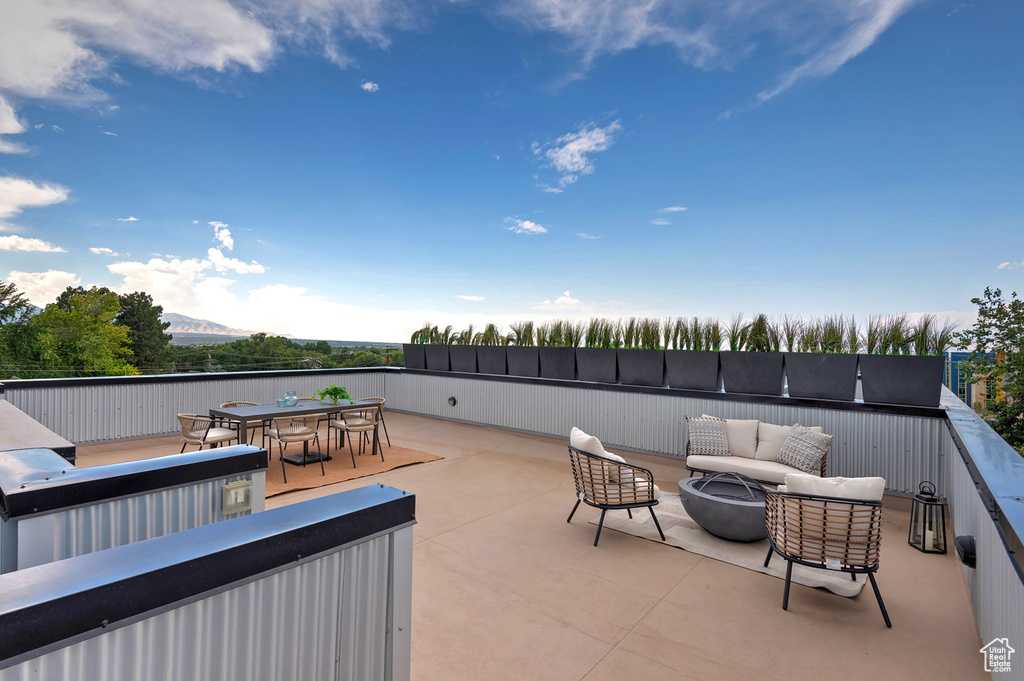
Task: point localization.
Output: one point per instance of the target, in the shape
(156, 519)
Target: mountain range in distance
(191, 331)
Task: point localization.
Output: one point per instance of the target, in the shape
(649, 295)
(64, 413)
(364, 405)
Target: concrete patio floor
(504, 588)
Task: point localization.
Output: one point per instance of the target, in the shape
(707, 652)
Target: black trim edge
(48, 605)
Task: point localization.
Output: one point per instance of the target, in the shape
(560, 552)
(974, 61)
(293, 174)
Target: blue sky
(350, 169)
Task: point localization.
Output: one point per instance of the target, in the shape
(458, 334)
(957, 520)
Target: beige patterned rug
(682, 532)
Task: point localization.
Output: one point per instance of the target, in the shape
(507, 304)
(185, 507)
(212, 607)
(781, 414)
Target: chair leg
(629, 512)
(789, 577)
(656, 523)
(569, 519)
(280, 455)
(878, 596)
(600, 525)
(768, 558)
(183, 448)
(320, 452)
(350, 452)
(385, 427)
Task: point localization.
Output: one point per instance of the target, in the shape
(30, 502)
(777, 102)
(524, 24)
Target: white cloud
(563, 302)
(20, 243)
(17, 194)
(1009, 265)
(553, 190)
(1003, 266)
(103, 251)
(221, 263)
(473, 299)
(571, 153)
(112, 134)
(370, 86)
(524, 226)
(222, 234)
(584, 235)
(10, 125)
(42, 288)
(130, 218)
(671, 209)
(660, 221)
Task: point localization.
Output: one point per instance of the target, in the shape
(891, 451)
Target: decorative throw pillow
(804, 449)
(742, 434)
(707, 436)
(770, 439)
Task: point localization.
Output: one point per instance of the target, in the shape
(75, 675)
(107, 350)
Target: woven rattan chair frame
(826, 533)
(611, 486)
(379, 401)
(195, 430)
(296, 429)
(365, 422)
(822, 469)
(252, 425)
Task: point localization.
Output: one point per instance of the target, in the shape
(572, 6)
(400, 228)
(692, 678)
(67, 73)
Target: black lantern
(928, 521)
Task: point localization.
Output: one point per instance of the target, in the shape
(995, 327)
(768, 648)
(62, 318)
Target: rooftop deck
(504, 588)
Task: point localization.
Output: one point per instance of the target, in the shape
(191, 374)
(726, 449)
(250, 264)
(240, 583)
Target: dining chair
(253, 425)
(379, 401)
(203, 430)
(290, 429)
(362, 423)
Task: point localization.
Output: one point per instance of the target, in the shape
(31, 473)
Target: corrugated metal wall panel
(902, 449)
(90, 413)
(318, 621)
(123, 521)
(997, 592)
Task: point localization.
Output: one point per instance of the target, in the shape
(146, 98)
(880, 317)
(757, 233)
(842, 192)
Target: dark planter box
(642, 367)
(463, 358)
(558, 363)
(437, 357)
(596, 364)
(490, 359)
(901, 379)
(523, 361)
(691, 369)
(822, 376)
(414, 357)
(754, 373)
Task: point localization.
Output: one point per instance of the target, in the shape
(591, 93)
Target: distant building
(977, 394)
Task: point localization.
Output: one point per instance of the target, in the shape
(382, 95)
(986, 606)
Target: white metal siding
(320, 620)
(94, 412)
(902, 449)
(997, 592)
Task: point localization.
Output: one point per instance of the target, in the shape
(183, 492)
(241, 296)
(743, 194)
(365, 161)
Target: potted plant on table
(334, 395)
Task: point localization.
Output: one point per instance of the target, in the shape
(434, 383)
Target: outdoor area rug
(339, 468)
(684, 533)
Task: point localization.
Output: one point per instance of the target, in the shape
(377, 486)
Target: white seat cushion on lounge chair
(766, 471)
(862, 489)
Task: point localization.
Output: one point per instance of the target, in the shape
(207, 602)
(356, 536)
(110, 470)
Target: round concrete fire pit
(728, 505)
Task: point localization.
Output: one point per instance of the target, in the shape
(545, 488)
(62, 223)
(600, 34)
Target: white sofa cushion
(863, 489)
(770, 439)
(766, 471)
(707, 436)
(804, 449)
(742, 436)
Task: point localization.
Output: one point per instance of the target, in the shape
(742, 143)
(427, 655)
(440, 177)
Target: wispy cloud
(20, 243)
(472, 299)
(42, 288)
(584, 235)
(571, 154)
(130, 218)
(672, 209)
(370, 86)
(222, 234)
(563, 302)
(107, 132)
(1009, 265)
(552, 190)
(524, 226)
(103, 251)
(661, 222)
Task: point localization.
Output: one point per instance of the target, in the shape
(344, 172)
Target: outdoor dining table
(269, 412)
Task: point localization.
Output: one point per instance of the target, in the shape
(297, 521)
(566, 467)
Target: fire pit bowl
(728, 505)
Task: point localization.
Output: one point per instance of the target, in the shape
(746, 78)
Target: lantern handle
(926, 489)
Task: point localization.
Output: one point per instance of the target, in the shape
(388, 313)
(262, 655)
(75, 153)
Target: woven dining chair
(361, 422)
(827, 533)
(286, 430)
(203, 430)
(253, 425)
(379, 401)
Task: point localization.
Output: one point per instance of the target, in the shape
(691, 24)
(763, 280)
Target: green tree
(146, 338)
(83, 341)
(17, 342)
(64, 299)
(997, 344)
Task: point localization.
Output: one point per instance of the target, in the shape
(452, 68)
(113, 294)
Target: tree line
(97, 332)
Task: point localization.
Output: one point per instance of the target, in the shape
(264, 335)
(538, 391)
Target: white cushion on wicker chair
(214, 434)
(591, 445)
(864, 489)
(765, 471)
